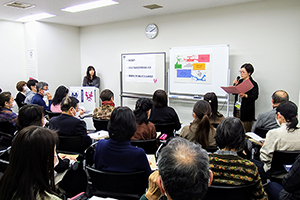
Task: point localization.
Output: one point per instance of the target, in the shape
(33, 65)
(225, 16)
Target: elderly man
(267, 120)
(42, 90)
(183, 172)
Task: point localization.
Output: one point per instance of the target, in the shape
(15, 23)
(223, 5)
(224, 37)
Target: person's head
(287, 113)
(212, 99)
(30, 114)
(91, 73)
(184, 170)
(142, 110)
(42, 88)
(121, 125)
(230, 134)
(60, 93)
(21, 85)
(31, 164)
(69, 106)
(279, 96)
(160, 99)
(246, 70)
(6, 100)
(106, 95)
(31, 84)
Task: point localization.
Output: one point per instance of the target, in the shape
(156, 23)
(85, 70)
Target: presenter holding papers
(245, 100)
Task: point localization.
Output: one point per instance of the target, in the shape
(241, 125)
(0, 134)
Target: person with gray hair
(42, 90)
(267, 120)
(183, 172)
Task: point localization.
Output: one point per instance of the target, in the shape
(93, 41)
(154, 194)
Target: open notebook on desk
(255, 138)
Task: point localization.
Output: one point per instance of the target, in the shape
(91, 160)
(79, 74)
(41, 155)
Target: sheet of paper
(152, 161)
(255, 137)
(98, 135)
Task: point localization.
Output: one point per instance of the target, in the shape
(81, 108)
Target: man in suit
(267, 120)
(68, 125)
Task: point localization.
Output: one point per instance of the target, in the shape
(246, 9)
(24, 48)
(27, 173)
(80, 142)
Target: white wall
(265, 34)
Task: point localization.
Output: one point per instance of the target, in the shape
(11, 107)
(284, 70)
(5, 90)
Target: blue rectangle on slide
(184, 73)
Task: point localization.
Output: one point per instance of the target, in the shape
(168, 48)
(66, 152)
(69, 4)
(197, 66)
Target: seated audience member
(108, 105)
(42, 90)
(183, 172)
(285, 137)
(145, 130)
(30, 172)
(6, 104)
(215, 117)
(60, 93)
(200, 130)
(68, 125)
(228, 168)
(161, 113)
(30, 115)
(22, 88)
(116, 154)
(31, 84)
(267, 120)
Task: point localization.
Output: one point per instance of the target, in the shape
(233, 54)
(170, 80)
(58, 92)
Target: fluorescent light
(90, 5)
(34, 17)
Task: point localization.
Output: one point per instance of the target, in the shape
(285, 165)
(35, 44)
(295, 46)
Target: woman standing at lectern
(91, 79)
(247, 102)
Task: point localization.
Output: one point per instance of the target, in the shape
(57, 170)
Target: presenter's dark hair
(60, 93)
(248, 67)
(31, 82)
(121, 125)
(20, 86)
(230, 134)
(88, 76)
(106, 95)
(142, 106)
(202, 110)
(184, 169)
(31, 165)
(212, 99)
(289, 111)
(4, 97)
(29, 115)
(68, 102)
(160, 99)
(280, 96)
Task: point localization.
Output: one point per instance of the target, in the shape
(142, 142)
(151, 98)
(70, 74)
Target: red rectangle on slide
(204, 58)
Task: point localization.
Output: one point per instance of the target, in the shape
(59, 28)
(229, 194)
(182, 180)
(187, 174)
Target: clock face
(151, 31)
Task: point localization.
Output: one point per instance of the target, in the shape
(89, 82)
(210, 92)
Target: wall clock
(151, 30)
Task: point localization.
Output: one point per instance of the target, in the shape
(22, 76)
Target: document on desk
(255, 137)
(244, 87)
(152, 161)
(98, 135)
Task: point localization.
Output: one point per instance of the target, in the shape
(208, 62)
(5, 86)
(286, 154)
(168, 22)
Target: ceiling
(125, 10)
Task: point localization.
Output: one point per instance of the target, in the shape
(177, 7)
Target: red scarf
(108, 103)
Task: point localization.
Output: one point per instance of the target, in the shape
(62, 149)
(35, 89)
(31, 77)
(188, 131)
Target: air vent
(19, 5)
(152, 6)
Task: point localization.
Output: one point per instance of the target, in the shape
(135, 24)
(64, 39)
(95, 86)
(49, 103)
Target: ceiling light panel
(90, 5)
(34, 17)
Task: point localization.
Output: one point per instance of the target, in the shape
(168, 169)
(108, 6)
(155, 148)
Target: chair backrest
(149, 146)
(281, 158)
(262, 132)
(117, 185)
(167, 128)
(52, 114)
(69, 144)
(4, 159)
(89, 155)
(5, 140)
(218, 192)
(7, 127)
(100, 124)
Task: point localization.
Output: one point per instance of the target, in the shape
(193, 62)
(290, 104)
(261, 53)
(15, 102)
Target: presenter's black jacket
(70, 126)
(248, 104)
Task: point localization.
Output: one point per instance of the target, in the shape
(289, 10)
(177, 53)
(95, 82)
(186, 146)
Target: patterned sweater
(230, 169)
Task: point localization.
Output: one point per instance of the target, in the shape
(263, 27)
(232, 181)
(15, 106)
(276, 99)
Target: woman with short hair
(6, 104)
(22, 88)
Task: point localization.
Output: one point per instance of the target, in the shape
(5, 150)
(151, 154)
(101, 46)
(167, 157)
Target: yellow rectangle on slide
(198, 66)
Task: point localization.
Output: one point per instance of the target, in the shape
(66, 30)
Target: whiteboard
(197, 70)
(143, 73)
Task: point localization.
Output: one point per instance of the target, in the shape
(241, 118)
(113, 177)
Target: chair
(4, 159)
(229, 192)
(7, 127)
(149, 146)
(281, 158)
(52, 114)
(70, 144)
(262, 132)
(5, 140)
(167, 128)
(100, 124)
(89, 155)
(131, 185)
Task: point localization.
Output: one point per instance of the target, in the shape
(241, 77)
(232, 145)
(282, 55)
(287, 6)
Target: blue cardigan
(111, 155)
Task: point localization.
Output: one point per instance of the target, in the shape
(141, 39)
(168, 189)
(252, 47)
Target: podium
(88, 98)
